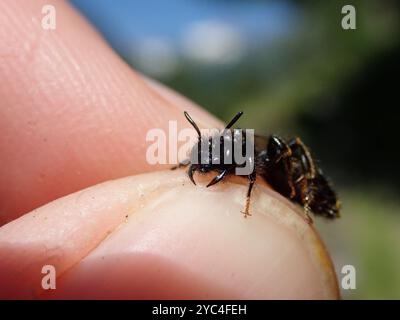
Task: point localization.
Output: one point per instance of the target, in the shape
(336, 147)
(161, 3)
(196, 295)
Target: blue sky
(124, 22)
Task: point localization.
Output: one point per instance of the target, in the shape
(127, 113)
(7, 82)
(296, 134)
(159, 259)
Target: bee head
(202, 154)
(202, 157)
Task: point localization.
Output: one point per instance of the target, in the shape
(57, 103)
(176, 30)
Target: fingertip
(74, 113)
(158, 236)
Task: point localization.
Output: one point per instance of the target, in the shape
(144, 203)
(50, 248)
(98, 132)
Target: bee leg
(306, 197)
(182, 164)
(307, 161)
(217, 178)
(288, 168)
(191, 170)
(277, 149)
(252, 179)
(280, 151)
(307, 211)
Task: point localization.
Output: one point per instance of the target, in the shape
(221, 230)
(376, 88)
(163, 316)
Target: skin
(74, 115)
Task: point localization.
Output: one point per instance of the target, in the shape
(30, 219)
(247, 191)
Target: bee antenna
(192, 123)
(235, 118)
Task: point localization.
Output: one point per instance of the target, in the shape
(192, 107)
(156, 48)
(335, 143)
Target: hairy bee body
(287, 166)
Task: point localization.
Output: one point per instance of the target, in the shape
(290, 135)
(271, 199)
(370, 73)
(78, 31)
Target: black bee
(287, 166)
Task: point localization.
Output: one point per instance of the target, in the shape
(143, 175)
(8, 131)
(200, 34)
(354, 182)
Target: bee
(287, 166)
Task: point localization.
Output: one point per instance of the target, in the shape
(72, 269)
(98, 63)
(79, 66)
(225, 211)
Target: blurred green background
(293, 70)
